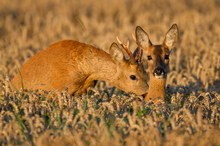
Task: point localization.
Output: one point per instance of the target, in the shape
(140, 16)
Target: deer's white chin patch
(159, 77)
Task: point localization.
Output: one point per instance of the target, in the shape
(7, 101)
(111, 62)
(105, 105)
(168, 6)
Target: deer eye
(149, 57)
(133, 77)
(166, 56)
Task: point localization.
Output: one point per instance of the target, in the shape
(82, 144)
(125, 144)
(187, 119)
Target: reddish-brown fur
(156, 60)
(74, 66)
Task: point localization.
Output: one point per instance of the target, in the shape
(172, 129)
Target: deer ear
(142, 38)
(138, 53)
(116, 52)
(171, 37)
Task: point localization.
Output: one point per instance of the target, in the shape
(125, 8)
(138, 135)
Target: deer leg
(89, 82)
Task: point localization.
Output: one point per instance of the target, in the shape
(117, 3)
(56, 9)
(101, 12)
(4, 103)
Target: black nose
(159, 71)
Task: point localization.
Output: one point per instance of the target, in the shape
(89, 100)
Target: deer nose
(159, 71)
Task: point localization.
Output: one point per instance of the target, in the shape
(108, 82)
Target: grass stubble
(105, 115)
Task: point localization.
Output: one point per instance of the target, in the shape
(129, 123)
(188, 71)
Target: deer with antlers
(75, 66)
(156, 60)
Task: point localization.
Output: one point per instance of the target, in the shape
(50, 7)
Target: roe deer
(156, 60)
(74, 66)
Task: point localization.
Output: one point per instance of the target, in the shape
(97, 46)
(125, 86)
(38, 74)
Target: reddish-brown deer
(156, 60)
(74, 66)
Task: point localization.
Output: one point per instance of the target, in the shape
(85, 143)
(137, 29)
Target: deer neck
(105, 70)
(113, 80)
(156, 89)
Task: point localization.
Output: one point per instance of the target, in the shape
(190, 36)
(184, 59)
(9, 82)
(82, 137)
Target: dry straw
(107, 116)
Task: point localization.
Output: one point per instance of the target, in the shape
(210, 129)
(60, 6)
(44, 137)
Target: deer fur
(156, 60)
(74, 66)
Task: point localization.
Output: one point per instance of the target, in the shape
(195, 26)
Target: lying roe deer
(156, 60)
(74, 66)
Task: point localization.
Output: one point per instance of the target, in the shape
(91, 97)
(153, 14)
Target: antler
(134, 38)
(126, 48)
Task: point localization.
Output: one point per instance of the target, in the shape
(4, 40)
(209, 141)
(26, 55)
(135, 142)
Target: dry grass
(106, 116)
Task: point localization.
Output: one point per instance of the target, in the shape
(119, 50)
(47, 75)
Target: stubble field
(105, 115)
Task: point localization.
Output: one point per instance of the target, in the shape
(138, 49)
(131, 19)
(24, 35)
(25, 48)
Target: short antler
(126, 48)
(134, 38)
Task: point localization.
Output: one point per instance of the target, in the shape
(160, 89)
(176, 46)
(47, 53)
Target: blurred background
(28, 26)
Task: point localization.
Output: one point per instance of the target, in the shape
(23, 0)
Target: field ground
(107, 116)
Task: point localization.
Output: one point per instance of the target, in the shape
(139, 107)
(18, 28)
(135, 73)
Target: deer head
(131, 75)
(156, 59)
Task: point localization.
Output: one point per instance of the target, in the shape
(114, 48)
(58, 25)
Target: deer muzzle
(160, 73)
